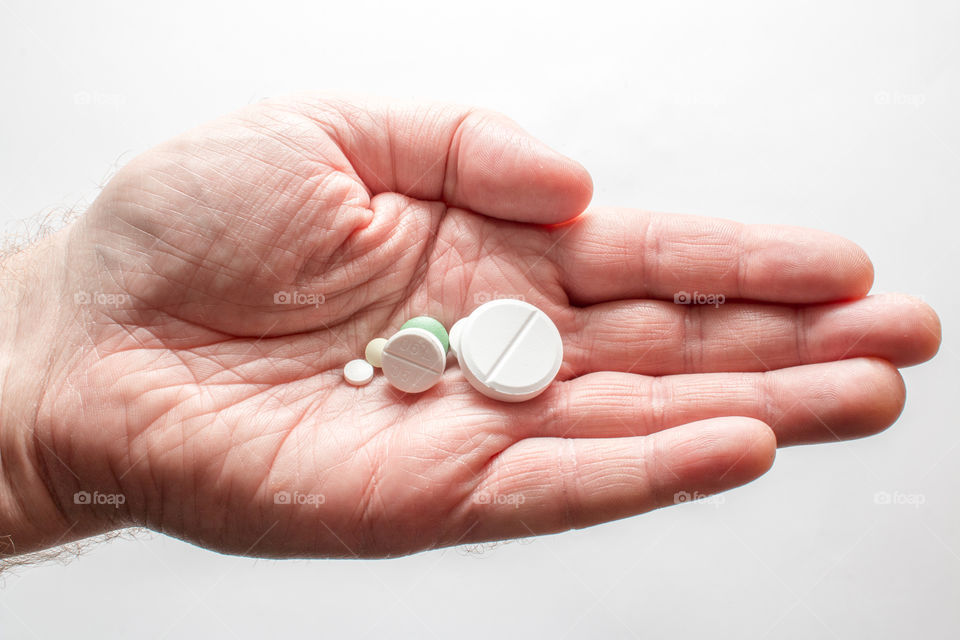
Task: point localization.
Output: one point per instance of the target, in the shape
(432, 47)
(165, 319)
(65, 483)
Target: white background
(842, 116)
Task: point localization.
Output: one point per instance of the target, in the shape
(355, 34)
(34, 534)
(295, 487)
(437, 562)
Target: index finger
(613, 254)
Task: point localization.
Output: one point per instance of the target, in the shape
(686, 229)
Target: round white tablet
(358, 372)
(509, 350)
(455, 336)
(413, 360)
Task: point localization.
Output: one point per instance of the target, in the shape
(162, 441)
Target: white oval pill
(413, 360)
(455, 335)
(358, 372)
(509, 350)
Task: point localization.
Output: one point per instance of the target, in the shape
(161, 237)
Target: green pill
(432, 325)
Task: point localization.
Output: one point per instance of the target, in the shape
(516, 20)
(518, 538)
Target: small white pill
(455, 336)
(509, 350)
(413, 360)
(374, 351)
(358, 372)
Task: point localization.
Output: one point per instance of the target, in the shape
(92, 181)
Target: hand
(179, 378)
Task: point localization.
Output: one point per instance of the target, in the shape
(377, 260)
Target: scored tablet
(509, 350)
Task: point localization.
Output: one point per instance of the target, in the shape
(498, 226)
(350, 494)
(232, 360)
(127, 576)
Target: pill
(413, 360)
(509, 350)
(374, 351)
(432, 325)
(358, 372)
(455, 335)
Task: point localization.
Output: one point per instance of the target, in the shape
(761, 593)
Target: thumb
(471, 158)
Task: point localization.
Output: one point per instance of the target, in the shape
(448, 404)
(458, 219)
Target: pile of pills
(507, 349)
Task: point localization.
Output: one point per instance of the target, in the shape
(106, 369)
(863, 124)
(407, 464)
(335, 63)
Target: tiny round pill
(358, 372)
(455, 336)
(432, 325)
(413, 360)
(374, 352)
(509, 350)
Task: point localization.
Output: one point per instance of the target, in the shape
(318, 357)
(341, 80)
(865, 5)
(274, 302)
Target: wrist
(37, 480)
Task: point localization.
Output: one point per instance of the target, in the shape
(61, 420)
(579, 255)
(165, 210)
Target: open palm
(226, 276)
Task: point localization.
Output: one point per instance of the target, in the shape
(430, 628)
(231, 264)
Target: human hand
(173, 378)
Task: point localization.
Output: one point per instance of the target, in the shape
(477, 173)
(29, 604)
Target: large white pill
(413, 360)
(358, 372)
(509, 350)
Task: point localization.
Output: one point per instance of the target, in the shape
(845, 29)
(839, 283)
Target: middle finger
(659, 338)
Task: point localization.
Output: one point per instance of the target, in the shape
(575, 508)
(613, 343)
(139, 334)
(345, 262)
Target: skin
(144, 355)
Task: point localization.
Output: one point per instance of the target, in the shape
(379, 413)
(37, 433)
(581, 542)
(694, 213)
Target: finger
(467, 157)
(545, 485)
(811, 403)
(613, 254)
(659, 338)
